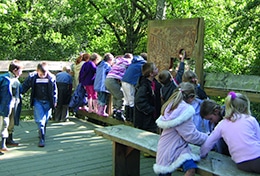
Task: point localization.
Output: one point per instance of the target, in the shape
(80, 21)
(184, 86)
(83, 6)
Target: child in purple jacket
(86, 78)
(113, 84)
(179, 130)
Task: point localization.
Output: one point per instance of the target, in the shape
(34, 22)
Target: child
(113, 84)
(76, 67)
(240, 131)
(147, 99)
(169, 83)
(129, 80)
(43, 97)
(214, 113)
(64, 85)
(190, 76)
(87, 76)
(201, 124)
(99, 84)
(10, 103)
(179, 130)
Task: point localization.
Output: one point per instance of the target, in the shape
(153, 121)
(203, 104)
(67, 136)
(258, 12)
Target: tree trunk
(160, 10)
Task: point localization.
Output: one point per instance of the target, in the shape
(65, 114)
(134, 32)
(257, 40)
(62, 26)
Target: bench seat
(129, 141)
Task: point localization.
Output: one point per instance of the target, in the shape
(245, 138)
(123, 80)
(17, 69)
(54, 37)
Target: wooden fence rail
(215, 84)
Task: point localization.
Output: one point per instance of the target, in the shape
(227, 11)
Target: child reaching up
(240, 131)
(178, 131)
(169, 83)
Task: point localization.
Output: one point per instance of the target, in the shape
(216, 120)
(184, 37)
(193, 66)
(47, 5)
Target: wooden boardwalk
(72, 148)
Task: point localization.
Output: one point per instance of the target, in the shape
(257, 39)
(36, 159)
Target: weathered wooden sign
(167, 37)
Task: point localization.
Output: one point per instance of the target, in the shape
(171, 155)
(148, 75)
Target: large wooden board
(167, 37)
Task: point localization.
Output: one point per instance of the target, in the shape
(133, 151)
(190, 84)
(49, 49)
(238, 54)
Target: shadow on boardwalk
(72, 148)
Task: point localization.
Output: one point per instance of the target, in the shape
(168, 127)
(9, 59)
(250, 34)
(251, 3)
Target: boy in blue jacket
(43, 97)
(10, 103)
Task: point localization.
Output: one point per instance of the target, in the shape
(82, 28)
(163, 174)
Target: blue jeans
(103, 98)
(42, 112)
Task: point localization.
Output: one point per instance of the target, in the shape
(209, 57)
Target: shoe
(3, 150)
(10, 141)
(120, 116)
(1, 153)
(14, 144)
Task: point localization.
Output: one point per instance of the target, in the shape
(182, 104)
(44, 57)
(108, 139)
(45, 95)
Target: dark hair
(148, 68)
(42, 67)
(189, 76)
(108, 56)
(164, 77)
(208, 107)
(14, 65)
(128, 55)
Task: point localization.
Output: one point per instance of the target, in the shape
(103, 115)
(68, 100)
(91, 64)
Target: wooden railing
(216, 84)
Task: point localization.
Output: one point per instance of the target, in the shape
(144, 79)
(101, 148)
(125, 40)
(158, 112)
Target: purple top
(178, 131)
(87, 73)
(242, 137)
(118, 69)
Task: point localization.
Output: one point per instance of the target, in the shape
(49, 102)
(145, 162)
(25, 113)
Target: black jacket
(30, 82)
(147, 104)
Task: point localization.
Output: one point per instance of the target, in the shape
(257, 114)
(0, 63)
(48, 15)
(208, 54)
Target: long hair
(183, 92)
(236, 103)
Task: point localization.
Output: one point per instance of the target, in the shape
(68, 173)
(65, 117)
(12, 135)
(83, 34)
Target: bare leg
(190, 172)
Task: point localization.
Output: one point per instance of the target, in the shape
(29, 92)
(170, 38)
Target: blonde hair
(183, 92)
(236, 103)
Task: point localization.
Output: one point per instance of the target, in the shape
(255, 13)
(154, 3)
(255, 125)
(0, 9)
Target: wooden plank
(253, 96)
(139, 139)
(214, 164)
(229, 81)
(32, 65)
(108, 120)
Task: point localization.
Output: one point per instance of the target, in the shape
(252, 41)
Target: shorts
(189, 164)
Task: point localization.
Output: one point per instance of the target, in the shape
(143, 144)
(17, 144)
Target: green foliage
(60, 29)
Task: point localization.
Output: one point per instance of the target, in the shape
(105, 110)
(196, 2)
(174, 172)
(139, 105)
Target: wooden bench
(128, 142)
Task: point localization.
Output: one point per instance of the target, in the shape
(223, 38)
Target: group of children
(230, 130)
(180, 108)
(186, 115)
(175, 107)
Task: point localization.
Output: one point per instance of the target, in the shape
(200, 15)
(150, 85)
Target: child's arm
(210, 142)
(190, 134)
(180, 72)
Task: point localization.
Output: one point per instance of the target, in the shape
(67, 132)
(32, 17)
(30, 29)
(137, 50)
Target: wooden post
(126, 160)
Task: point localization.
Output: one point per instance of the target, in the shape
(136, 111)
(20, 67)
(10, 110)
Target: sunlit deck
(72, 148)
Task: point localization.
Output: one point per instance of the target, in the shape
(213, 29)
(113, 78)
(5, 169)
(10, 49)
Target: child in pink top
(87, 77)
(240, 131)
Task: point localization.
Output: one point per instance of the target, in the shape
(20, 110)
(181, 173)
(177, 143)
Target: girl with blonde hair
(179, 130)
(240, 131)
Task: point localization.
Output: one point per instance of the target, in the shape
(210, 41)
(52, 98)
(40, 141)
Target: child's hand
(182, 55)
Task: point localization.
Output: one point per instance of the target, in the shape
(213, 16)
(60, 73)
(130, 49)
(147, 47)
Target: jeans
(42, 112)
(103, 98)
